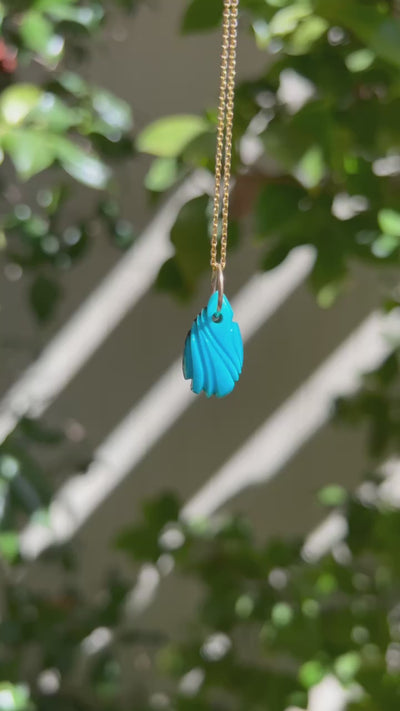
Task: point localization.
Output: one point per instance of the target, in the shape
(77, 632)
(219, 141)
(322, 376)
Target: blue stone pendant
(213, 355)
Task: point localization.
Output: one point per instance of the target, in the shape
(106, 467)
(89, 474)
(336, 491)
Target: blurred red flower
(8, 58)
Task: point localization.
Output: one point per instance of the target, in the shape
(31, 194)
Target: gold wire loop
(218, 284)
(223, 155)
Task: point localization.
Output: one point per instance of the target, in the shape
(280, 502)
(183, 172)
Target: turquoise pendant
(213, 354)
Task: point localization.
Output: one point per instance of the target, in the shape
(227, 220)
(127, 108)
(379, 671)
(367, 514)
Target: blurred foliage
(273, 620)
(64, 128)
(377, 405)
(324, 118)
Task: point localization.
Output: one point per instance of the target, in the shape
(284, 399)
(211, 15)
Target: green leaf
(281, 614)
(115, 112)
(163, 173)
(37, 431)
(347, 666)
(326, 584)
(311, 673)
(17, 101)
(80, 164)
(262, 33)
(38, 35)
(171, 279)
(73, 83)
(189, 236)
(167, 137)
(244, 606)
(287, 19)
(327, 295)
(200, 152)
(142, 541)
(44, 296)
(306, 33)
(333, 495)
(165, 509)
(27, 104)
(14, 697)
(311, 168)
(385, 245)
(276, 255)
(54, 114)
(124, 234)
(360, 60)
(202, 15)
(30, 150)
(88, 17)
(378, 30)
(9, 466)
(48, 5)
(389, 222)
(277, 205)
(9, 546)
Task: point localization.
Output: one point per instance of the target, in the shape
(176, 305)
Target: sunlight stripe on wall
(156, 413)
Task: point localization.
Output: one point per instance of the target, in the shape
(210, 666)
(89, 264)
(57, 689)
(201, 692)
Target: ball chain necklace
(213, 353)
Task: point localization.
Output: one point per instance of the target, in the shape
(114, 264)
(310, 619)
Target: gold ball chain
(223, 156)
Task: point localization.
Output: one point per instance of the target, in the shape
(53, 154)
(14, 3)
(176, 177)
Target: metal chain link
(223, 156)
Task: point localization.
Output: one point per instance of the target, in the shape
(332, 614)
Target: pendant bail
(218, 283)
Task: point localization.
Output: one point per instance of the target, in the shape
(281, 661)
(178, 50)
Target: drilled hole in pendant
(217, 317)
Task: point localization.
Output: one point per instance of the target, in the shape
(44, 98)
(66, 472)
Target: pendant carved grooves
(213, 353)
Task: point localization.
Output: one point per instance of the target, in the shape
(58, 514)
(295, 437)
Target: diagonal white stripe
(155, 414)
(304, 413)
(103, 310)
